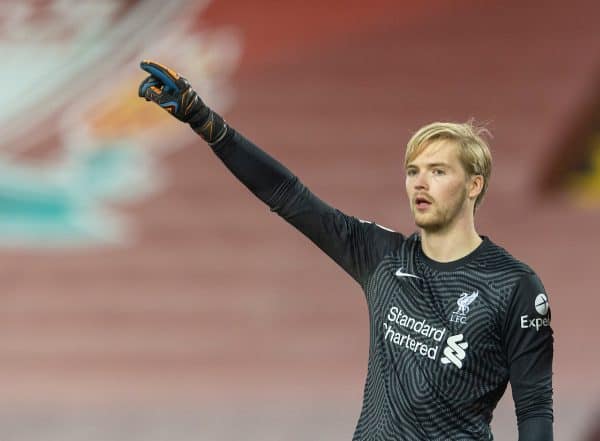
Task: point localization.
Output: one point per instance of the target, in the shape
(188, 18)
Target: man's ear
(475, 186)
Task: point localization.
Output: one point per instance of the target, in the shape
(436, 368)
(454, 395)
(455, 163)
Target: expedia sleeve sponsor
(541, 317)
(529, 308)
(534, 322)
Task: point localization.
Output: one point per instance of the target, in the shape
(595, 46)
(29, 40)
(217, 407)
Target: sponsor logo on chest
(423, 338)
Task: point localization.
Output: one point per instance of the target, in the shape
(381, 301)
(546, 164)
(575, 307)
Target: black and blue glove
(173, 93)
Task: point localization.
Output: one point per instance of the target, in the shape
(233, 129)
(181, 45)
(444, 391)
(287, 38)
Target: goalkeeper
(453, 317)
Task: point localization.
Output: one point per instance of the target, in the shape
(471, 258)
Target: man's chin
(428, 224)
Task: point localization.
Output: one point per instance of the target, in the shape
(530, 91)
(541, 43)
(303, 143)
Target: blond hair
(474, 153)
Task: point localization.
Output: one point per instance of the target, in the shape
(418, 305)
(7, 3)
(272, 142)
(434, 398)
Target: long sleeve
(354, 244)
(528, 342)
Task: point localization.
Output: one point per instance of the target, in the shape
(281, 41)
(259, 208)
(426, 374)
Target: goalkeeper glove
(173, 93)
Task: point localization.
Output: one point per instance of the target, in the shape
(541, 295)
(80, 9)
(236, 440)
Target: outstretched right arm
(356, 246)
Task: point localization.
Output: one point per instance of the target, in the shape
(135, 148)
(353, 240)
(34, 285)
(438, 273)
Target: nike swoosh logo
(399, 273)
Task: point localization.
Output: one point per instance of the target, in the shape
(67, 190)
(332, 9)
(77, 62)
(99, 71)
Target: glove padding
(174, 93)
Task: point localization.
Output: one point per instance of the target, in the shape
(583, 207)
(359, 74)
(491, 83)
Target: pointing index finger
(164, 74)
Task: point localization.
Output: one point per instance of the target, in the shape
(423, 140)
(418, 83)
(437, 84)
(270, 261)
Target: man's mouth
(422, 203)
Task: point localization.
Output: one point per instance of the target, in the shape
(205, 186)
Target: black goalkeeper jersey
(445, 338)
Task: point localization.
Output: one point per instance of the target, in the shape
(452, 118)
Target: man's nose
(420, 181)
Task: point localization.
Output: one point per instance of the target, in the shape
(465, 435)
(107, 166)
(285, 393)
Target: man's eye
(438, 171)
(411, 172)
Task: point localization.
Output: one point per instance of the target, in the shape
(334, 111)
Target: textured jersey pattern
(410, 394)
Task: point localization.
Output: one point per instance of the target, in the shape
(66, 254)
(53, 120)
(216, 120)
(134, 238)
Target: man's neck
(450, 245)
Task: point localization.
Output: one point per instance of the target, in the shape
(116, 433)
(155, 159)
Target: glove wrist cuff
(212, 128)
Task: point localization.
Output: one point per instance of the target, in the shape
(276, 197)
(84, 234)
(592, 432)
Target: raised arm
(356, 246)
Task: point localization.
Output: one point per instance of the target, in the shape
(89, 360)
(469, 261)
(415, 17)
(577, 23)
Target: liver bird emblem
(464, 301)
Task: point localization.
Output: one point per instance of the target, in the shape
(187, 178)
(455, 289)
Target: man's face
(437, 186)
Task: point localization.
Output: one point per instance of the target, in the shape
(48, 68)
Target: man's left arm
(528, 342)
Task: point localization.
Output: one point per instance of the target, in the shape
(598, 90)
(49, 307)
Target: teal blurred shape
(71, 202)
